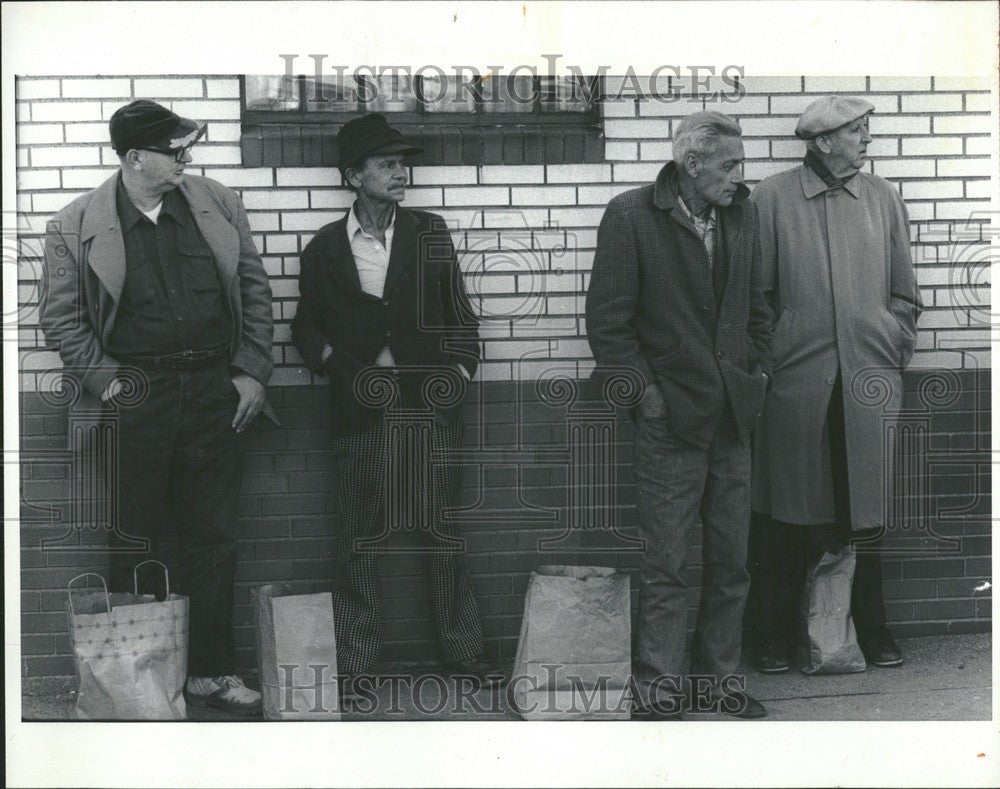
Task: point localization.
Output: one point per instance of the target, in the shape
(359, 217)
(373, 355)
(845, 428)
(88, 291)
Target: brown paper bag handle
(135, 575)
(69, 590)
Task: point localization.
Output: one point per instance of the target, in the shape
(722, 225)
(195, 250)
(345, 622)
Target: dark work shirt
(172, 299)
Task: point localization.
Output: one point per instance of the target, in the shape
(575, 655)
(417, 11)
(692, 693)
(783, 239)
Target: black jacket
(652, 312)
(424, 316)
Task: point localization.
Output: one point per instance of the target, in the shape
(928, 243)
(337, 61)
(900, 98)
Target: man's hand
(325, 354)
(653, 405)
(251, 393)
(114, 386)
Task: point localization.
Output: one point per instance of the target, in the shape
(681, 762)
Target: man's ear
(692, 164)
(131, 158)
(823, 143)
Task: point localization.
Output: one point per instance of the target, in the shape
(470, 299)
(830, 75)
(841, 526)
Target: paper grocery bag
(296, 654)
(829, 643)
(574, 653)
(129, 651)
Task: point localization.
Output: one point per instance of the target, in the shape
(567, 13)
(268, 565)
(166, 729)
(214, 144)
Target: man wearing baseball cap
(383, 313)
(160, 307)
(835, 255)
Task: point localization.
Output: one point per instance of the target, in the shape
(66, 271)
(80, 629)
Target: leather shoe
(479, 669)
(884, 651)
(742, 705)
(772, 659)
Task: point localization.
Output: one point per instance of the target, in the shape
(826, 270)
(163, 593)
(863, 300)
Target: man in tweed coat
(675, 298)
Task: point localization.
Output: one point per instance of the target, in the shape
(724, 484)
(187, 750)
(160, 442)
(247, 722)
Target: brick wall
(526, 237)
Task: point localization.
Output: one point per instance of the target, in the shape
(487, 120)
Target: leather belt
(180, 362)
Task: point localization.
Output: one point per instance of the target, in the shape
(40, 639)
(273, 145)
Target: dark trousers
(680, 483)
(781, 554)
(179, 471)
(390, 477)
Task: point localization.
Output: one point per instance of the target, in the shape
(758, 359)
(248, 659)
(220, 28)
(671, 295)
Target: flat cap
(829, 113)
(144, 124)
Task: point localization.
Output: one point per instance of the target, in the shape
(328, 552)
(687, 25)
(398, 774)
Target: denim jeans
(179, 472)
(680, 484)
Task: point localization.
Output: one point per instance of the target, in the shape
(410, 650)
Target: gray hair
(699, 133)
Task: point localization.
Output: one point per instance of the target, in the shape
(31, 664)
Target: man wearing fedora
(159, 305)
(383, 313)
(835, 256)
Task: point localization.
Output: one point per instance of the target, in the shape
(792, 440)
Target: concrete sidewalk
(943, 678)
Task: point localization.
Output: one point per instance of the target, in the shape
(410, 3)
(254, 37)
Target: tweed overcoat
(837, 269)
(652, 311)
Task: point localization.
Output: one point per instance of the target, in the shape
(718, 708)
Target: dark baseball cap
(144, 124)
(369, 135)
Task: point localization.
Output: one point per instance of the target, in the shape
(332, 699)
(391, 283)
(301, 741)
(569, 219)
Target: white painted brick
(116, 88)
(979, 189)
(457, 220)
(899, 83)
(578, 173)
(208, 110)
(335, 198)
(756, 149)
(920, 212)
(216, 154)
(554, 238)
(275, 199)
(655, 151)
(644, 172)
(37, 89)
(511, 174)
(431, 197)
(53, 201)
(962, 124)
(461, 176)
(22, 112)
(625, 108)
(615, 128)
(577, 217)
(944, 319)
(791, 105)
(64, 156)
(904, 168)
(285, 288)
(978, 146)
(934, 102)
(600, 194)
(961, 83)
(517, 349)
(900, 124)
(494, 371)
(582, 238)
(515, 218)
(88, 132)
(757, 171)
(308, 176)
(23, 202)
(222, 132)
(38, 179)
(66, 111)
(883, 146)
(108, 156)
(543, 195)
(238, 177)
(931, 190)
(961, 209)
(836, 85)
(489, 284)
(788, 149)
(979, 102)
(291, 267)
(222, 88)
(746, 105)
(621, 151)
(169, 88)
(304, 220)
(262, 222)
(39, 133)
(85, 179)
(953, 167)
(476, 195)
(883, 104)
(655, 108)
(932, 146)
(768, 85)
(281, 244)
(768, 127)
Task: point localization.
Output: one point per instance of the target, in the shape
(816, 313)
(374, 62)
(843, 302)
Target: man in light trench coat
(835, 258)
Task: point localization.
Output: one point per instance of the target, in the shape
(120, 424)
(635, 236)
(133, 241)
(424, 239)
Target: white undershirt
(153, 213)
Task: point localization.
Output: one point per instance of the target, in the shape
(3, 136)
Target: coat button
(830, 381)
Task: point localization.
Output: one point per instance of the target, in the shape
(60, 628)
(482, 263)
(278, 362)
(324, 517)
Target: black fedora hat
(369, 135)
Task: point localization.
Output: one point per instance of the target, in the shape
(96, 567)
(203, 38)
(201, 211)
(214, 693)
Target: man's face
(381, 179)
(162, 170)
(848, 146)
(721, 172)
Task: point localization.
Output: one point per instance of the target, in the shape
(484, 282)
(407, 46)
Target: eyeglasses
(177, 153)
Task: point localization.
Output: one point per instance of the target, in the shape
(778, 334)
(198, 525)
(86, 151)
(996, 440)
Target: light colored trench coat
(836, 264)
